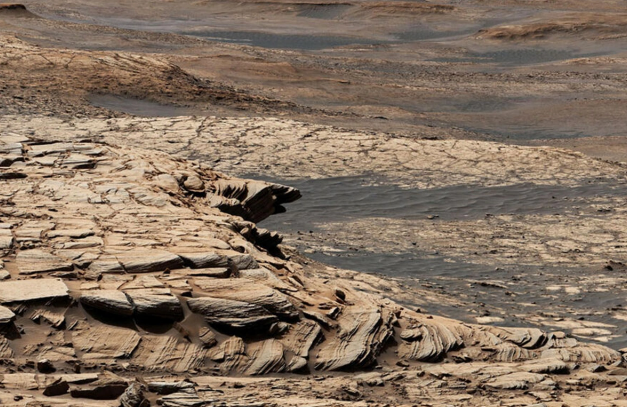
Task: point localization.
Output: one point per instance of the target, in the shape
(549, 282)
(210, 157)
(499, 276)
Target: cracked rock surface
(110, 260)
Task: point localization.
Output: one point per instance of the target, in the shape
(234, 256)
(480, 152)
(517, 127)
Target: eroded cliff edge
(131, 273)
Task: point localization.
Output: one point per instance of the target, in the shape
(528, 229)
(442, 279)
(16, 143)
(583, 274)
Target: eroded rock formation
(128, 263)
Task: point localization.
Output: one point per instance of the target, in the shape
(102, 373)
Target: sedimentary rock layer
(126, 273)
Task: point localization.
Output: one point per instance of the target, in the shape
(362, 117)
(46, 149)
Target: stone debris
(133, 396)
(176, 287)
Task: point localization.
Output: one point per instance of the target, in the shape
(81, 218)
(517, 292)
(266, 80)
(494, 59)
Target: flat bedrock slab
(38, 261)
(28, 290)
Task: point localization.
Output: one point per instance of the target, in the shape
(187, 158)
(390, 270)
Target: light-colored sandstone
(29, 290)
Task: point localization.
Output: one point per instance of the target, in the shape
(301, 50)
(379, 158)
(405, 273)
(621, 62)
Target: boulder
(133, 396)
(6, 239)
(45, 366)
(108, 387)
(56, 388)
(110, 301)
(266, 357)
(168, 353)
(207, 337)
(515, 381)
(252, 200)
(151, 303)
(357, 342)
(165, 388)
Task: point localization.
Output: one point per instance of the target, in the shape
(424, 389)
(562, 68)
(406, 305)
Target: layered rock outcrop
(129, 266)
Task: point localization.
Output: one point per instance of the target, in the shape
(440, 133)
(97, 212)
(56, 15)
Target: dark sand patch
(136, 107)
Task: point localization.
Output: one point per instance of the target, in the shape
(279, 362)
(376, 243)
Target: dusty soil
(468, 156)
(420, 69)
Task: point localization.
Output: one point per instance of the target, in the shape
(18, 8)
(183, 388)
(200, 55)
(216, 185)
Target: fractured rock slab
(301, 337)
(6, 239)
(355, 344)
(110, 301)
(29, 290)
(146, 261)
(232, 314)
(156, 304)
(105, 343)
(156, 251)
(108, 387)
(245, 290)
(435, 341)
(266, 357)
(167, 353)
(38, 261)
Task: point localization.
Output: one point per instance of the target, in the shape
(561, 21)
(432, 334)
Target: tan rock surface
(29, 290)
(293, 318)
(80, 202)
(292, 149)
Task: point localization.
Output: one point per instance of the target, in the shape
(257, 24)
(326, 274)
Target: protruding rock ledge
(29, 290)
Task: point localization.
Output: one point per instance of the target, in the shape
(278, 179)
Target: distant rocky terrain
(145, 148)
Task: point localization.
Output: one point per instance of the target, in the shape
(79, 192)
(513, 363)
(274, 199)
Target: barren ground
(469, 158)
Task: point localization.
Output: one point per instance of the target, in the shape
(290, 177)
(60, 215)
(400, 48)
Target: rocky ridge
(128, 271)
